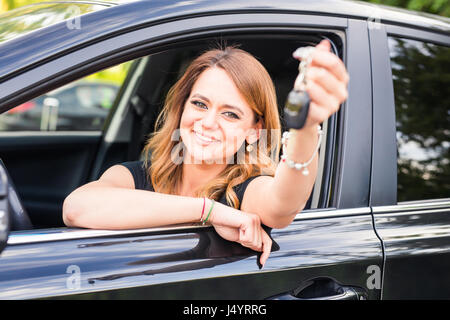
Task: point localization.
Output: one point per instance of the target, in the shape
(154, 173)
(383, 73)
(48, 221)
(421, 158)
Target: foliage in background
(11, 4)
(15, 26)
(439, 7)
(421, 87)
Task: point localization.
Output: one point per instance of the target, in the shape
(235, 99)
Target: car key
(298, 100)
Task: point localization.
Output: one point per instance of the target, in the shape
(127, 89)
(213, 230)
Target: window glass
(421, 77)
(82, 105)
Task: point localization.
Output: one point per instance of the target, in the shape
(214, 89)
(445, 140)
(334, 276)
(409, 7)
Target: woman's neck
(196, 175)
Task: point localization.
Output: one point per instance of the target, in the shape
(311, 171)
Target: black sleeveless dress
(142, 182)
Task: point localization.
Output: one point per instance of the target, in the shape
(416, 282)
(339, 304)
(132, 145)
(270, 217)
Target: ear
(255, 132)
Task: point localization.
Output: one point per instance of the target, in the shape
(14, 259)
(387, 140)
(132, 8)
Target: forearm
(291, 188)
(104, 207)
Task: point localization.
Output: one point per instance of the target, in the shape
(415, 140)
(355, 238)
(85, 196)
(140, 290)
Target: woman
(224, 103)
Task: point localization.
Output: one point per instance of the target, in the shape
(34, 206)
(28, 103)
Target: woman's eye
(232, 115)
(201, 105)
(198, 104)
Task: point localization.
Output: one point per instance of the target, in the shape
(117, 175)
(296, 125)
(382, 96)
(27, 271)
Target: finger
(254, 238)
(247, 238)
(258, 235)
(254, 243)
(322, 98)
(266, 249)
(316, 114)
(324, 45)
(331, 62)
(328, 81)
(250, 241)
(244, 236)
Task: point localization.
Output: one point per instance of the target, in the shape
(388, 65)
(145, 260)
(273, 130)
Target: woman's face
(216, 119)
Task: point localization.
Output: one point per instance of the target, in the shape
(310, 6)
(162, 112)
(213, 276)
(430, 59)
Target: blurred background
(439, 7)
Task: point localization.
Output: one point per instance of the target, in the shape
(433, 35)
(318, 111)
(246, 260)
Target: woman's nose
(209, 119)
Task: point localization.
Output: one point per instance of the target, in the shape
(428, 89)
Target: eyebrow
(225, 105)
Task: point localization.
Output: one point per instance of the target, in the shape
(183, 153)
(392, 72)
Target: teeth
(203, 137)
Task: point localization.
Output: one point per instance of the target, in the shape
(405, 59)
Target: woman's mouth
(203, 140)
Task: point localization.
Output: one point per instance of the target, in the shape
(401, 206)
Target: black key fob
(296, 109)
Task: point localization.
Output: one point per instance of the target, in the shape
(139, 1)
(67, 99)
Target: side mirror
(4, 209)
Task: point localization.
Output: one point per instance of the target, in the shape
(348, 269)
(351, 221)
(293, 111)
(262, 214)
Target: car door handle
(322, 288)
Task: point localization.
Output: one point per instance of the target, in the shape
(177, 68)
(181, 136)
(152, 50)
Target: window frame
(432, 37)
(341, 195)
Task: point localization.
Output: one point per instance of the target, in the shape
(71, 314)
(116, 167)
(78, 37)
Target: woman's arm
(112, 203)
(278, 199)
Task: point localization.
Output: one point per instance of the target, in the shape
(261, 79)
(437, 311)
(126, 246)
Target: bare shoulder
(256, 193)
(118, 176)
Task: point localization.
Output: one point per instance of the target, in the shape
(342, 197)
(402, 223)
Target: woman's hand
(244, 228)
(327, 80)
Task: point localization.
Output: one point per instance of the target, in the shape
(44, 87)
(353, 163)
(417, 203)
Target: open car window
(123, 101)
(82, 105)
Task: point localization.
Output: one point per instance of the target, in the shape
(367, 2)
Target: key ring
(305, 55)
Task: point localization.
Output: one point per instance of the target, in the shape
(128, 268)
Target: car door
(412, 206)
(330, 251)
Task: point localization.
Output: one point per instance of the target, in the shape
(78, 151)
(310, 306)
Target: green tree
(439, 7)
(422, 86)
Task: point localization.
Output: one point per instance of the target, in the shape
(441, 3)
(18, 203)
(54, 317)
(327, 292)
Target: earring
(249, 148)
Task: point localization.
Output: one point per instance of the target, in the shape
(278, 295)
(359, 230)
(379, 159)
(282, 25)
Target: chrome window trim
(331, 213)
(426, 206)
(62, 234)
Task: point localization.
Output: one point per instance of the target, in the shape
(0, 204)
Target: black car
(377, 225)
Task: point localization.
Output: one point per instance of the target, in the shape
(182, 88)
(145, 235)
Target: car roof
(32, 45)
(349, 8)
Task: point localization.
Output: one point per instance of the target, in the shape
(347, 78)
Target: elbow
(72, 211)
(280, 219)
(282, 223)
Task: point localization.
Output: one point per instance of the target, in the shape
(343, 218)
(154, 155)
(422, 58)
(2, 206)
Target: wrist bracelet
(209, 213)
(292, 163)
(203, 210)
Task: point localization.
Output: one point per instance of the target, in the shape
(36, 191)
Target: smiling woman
(212, 131)
(224, 103)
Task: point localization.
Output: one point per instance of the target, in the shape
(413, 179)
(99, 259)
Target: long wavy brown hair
(256, 86)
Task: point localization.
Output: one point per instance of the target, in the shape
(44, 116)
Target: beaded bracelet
(292, 163)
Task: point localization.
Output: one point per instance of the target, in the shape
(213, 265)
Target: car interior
(46, 167)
